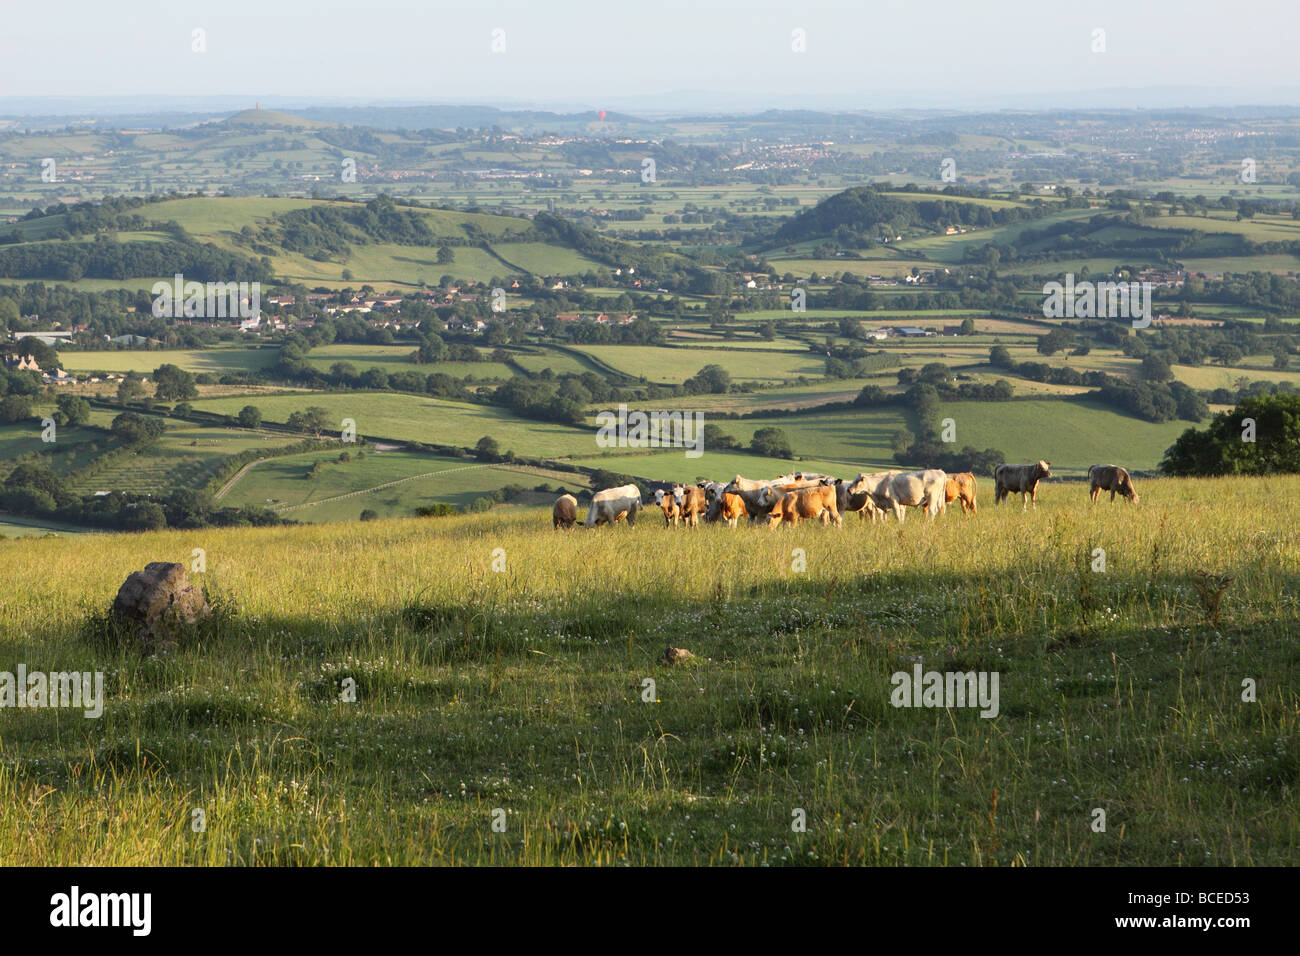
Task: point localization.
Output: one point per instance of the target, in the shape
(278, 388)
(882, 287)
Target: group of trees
(1260, 436)
(926, 448)
(34, 490)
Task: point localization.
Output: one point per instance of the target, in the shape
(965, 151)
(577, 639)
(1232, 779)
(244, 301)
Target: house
(911, 331)
(22, 363)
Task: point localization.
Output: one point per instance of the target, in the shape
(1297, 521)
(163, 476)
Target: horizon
(576, 52)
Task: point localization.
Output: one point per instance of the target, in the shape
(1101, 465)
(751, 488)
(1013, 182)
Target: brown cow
(733, 508)
(694, 504)
(815, 502)
(565, 512)
(1111, 478)
(1008, 479)
(961, 486)
(671, 503)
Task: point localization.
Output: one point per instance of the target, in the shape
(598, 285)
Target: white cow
(876, 487)
(614, 504)
(918, 489)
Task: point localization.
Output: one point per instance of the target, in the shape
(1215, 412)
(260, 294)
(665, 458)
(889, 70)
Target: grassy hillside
(429, 420)
(525, 692)
(1071, 434)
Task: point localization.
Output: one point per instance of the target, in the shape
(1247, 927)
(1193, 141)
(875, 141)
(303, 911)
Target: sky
(630, 53)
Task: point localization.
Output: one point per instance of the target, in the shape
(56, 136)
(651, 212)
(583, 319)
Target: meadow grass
(524, 691)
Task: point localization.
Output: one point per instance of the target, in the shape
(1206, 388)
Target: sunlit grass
(522, 690)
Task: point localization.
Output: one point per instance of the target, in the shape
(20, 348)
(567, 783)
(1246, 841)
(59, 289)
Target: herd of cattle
(789, 499)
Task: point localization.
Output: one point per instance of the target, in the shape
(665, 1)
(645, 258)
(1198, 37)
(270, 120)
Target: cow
(1111, 478)
(1024, 479)
(613, 505)
(961, 486)
(876, 487)
(693, 504)
(565, 512)
(756, 504)
(846, 501)
(713, 497)
(788, 506)
(732, 508)
(917, 489)
(671, 503)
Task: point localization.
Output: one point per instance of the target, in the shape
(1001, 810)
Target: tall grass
(522, 691)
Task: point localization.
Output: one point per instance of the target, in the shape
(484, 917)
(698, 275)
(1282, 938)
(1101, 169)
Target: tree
(967, 326)
(135, 429)
(173, 384)
(715, 438)
(130, 389)
(369, 514)
(487, 449)
(1055, 341)
(1000, 357)
(446, 254)
(771, 443)
(1220, 449)
(1155, 368)
(75, 409)
(250, 416)
(316, 419)
(44, 355)
(15, 408)
(710, 380)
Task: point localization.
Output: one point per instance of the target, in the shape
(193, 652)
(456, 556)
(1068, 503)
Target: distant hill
(858, 216)
(271, 118)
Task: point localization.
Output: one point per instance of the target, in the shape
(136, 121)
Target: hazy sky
(584, 52)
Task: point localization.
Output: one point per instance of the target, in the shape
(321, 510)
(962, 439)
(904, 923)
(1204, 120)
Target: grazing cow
(732, 508)
(565, 512)
(1024, 479)
(613, 505)
(693, 503)
(846, 501)
(756, 504)
(1111, 478)
(961, 486)
(671, 503)
(787, 507)
(917, 489)
(876, 487)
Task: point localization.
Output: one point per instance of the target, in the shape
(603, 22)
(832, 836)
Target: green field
(341, 490)
(521, 695)
(396, 358)
(193, 360)
(1072, 434)
(414, 418)
(676, 365)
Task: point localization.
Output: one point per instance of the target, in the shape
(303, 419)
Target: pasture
(216, 360)
(415, 418)
(521, 695)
